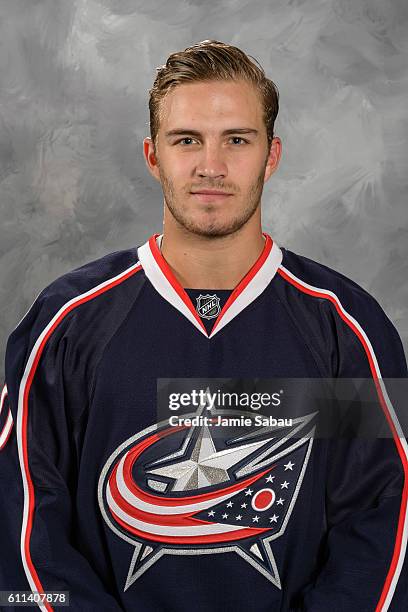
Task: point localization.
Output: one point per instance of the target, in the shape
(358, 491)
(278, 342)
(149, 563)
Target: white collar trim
(165, 283)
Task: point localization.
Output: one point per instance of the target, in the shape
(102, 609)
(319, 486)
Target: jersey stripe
(22, 419)
(399, 438)
(8, 425)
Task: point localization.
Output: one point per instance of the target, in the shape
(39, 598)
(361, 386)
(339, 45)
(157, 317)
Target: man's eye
(235, 138)
(184, 140)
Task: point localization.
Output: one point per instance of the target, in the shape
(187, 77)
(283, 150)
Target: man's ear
(150, 158)
(274, 156)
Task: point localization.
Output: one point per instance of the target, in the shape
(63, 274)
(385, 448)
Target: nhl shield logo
(208, 306)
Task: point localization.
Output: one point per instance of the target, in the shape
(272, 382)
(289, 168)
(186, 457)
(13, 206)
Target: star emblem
(206, 466)
(199, 462)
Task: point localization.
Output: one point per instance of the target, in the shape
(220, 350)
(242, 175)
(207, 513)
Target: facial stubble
(212, 228)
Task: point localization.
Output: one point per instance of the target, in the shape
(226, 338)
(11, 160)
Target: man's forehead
(211, 102)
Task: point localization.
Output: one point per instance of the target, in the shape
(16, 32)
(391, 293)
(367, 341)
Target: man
(128, 507)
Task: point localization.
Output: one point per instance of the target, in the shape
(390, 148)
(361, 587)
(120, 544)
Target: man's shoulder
(80, 285)
(323, 282)
(340, 299)
(310, 272)
(108, 268)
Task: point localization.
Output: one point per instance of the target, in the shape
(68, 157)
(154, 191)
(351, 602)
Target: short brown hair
(212, 60)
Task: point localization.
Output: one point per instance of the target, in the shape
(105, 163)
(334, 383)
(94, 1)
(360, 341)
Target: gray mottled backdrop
(74, 76)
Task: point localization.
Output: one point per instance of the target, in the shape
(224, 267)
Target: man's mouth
(208, 195)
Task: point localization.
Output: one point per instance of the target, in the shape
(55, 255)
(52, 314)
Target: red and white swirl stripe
(169, 519)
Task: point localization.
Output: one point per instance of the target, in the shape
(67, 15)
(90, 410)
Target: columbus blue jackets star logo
(184, 490)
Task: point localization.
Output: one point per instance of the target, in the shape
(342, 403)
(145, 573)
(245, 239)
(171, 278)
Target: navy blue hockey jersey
(103, 498)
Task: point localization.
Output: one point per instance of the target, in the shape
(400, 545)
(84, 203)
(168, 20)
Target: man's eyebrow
(181, 131)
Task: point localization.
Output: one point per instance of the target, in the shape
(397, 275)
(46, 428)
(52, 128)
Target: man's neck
(212, 263)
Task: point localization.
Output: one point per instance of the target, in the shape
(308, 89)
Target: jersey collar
(248, 289)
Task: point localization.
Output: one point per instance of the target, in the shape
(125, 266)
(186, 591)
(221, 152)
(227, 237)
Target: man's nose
(211, 162)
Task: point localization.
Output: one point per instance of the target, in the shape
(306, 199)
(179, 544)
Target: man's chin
(210, 223)
(212, 230)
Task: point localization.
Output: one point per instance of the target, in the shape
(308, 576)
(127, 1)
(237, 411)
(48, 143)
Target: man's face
(212, 138)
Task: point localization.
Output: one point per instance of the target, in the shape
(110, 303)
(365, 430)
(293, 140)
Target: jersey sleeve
(363, 559)
(38, 463)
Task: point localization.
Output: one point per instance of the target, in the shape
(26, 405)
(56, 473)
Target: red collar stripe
(165, 268)
(247, 278)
